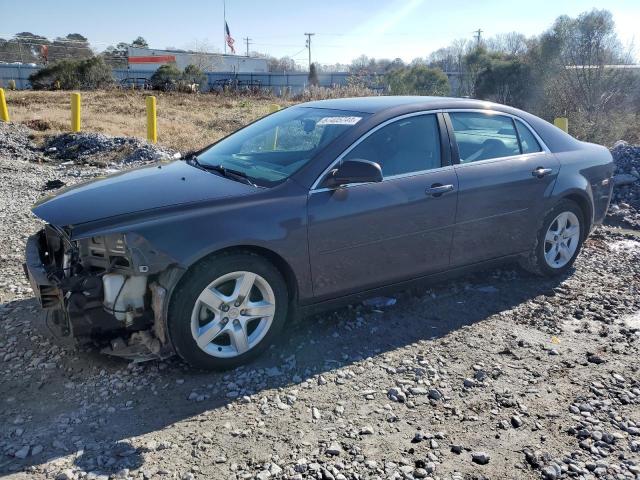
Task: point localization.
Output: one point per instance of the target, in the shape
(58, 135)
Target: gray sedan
(320, 204)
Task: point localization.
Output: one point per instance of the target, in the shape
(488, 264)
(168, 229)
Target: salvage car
(320, 204)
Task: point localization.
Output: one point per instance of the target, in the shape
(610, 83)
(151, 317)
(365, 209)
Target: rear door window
(483, 136)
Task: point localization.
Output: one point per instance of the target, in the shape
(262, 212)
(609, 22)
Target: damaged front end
(111, 289)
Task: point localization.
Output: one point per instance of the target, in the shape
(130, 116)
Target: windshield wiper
(225, 172)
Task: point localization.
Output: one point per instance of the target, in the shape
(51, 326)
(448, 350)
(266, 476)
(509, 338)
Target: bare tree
(588, 61)
(512, 43)
(204, 56)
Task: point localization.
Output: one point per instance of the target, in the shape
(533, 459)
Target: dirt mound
(100, 149)
(625, 203)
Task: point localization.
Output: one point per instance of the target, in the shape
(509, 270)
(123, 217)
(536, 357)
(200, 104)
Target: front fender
(186, 234)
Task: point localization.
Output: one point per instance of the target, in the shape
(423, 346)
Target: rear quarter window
(527, 140)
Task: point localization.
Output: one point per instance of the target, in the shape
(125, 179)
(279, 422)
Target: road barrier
(76, 106)
(152, 120)
(562, 123)
(4, 111)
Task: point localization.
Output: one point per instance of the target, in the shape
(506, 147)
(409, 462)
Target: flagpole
(224, 27)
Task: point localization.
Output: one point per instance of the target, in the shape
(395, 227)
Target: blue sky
(344, 28)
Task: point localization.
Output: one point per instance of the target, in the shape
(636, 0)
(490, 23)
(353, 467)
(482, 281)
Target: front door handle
(437, 190)
(541, 172)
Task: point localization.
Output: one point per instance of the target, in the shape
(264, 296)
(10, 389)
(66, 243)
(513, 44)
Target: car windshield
(270, 150)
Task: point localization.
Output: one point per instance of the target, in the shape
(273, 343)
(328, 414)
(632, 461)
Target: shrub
(504, 80)
(166, 78)
(418, 80)
(88, 74)
(313, 75)
(193, 75)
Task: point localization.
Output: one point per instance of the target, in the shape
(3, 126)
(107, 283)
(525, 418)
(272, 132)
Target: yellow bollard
(4, 111)
(76, 106)
(562, 123)
(152, 121)
(274, 107)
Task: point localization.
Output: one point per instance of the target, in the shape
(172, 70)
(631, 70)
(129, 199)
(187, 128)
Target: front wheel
(227, 310)
(559, 240)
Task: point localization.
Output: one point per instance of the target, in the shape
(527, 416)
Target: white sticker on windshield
(339, 120)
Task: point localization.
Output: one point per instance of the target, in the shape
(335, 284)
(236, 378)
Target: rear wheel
(227, 310)
(559, 240)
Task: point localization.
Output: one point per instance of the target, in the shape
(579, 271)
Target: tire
(209, 302)
(537, 261)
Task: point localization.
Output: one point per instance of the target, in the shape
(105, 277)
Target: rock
(516, 421)
(593, 358)
(22, 453)
(481, 458)
(551, 473)
(469, 383)
(418, 391)
(621, 179)
(420, 473)
(434, 394)
(334, 449)
(66, 475)
(396, 395)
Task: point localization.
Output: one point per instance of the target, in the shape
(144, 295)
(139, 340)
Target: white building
(149, 59)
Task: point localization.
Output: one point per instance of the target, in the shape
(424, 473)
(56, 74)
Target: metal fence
(278, 83)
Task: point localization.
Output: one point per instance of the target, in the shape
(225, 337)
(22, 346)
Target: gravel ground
(498, 375)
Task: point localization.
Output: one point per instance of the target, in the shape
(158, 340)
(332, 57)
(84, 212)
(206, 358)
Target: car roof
(384, 102)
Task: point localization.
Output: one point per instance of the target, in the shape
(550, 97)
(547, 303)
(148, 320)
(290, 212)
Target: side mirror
(353, 171)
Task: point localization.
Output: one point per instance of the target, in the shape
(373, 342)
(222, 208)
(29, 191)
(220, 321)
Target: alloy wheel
(233, 314)
(562, 239)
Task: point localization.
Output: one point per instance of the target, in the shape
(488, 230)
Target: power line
(247, 40)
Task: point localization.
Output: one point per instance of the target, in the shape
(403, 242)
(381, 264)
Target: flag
(229, 38)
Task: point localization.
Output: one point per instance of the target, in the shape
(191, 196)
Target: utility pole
(247, 40)
(478, 34)
(308, 45)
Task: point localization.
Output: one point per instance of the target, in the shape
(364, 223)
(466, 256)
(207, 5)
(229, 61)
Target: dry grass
(185, 121)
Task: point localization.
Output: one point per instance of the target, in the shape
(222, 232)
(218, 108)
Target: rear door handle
(437, 190)
(541, 172)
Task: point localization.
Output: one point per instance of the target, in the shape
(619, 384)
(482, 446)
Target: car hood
(136, 190)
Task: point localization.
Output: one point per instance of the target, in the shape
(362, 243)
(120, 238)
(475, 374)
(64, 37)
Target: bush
(193, 75)
(418, 80)
(313, 75)
(166, 78)
(88, 74)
